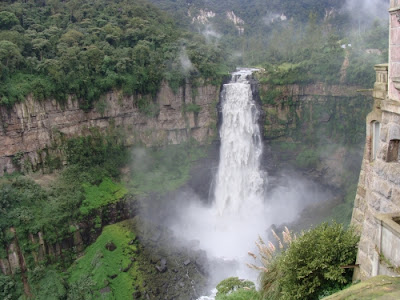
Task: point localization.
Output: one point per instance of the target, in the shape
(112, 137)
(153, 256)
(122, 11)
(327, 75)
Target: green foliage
(360, 71)
(8, 288)
(241, 294)
(49, 285)
(192, 107)
(232, 284)
(343, 212)
(102, 150)
(105, 193)
(270, 96)
(16, 160)
(309, 40)
(270, 287)
(82, 289)
(307, 159)
(7, 20)
(89, 49)
(82, 187)
(99, 264)
(162, 170)
(314, 56)
(148, 107)
(20, 206)
(10, 57)
(312, 263)
(309, 266)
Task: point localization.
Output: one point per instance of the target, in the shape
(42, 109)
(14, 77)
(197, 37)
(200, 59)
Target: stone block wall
(378, 193)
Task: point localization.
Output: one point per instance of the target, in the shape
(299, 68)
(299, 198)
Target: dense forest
(60, 48)
(86, 48)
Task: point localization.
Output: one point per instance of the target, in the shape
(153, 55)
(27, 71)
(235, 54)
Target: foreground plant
(307, 267)
(269, 257)
(234, 288)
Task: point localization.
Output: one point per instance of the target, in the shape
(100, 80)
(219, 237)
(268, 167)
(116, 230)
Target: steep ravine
(308, 117)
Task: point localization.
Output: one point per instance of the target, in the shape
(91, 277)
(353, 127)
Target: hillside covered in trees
(296, 41)
(85, 48)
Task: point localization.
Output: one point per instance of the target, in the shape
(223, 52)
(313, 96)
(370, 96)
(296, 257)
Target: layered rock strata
(171, 118)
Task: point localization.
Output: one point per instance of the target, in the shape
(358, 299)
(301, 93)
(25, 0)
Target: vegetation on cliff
(81, 198)
(115, 249)
(86, 48)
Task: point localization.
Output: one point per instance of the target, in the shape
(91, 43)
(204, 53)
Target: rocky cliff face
(328, 121)
(84, 234)
(305, 108)
(31, 126)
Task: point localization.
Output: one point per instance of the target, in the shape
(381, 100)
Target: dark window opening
(393, 151)
(397, 220)
(376, 128)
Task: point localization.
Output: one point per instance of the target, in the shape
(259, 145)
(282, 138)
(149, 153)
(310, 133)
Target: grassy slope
(105, 193)
(100, 264)
(379, 287)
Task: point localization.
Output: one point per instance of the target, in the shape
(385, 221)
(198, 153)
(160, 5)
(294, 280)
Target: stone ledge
(389, 223)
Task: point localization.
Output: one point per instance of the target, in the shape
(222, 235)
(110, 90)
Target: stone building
(376, 212)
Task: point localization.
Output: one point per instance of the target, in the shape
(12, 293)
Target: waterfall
(238, 214)
(239, 181)
(229, 228)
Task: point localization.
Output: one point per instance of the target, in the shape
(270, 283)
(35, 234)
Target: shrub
(241, 294)
(269, 96)
(308, 266)
(307, 159)
(8, 288)
(232, 284)
(312, 263)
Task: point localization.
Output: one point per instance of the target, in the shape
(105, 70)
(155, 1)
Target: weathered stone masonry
(377, 204)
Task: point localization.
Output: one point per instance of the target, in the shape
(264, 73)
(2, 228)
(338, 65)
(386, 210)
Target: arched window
(376, 129)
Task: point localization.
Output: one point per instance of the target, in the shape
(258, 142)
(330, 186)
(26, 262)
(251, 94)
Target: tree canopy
(85, 48)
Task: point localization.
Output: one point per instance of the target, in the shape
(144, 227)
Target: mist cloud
(368, 9)
(184, 59)
(211, 35)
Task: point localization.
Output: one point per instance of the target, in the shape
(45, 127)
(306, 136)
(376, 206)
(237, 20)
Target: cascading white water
(239, 181)
(239, 213)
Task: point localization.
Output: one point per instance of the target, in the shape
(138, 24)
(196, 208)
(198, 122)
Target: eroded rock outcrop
(171, 118)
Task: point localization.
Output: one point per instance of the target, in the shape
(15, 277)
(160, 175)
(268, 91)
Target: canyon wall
(319, 128)
(29, 127)
(307, 108)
